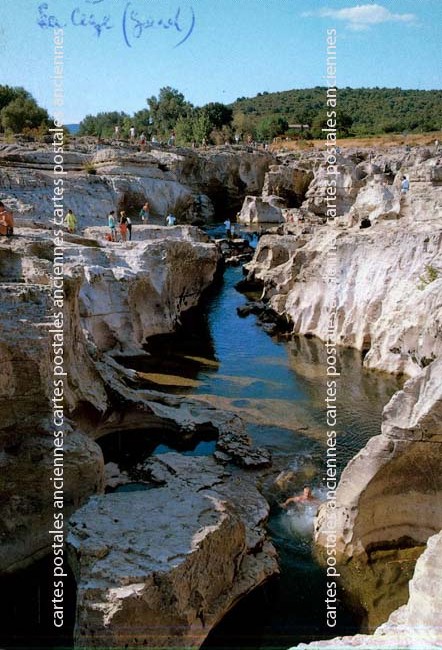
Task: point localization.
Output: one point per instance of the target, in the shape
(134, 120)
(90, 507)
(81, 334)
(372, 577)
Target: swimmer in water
(305, 497)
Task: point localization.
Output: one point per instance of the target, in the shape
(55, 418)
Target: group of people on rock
(124, 226)
(121, 230)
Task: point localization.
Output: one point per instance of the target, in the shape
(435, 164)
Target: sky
(117, 53)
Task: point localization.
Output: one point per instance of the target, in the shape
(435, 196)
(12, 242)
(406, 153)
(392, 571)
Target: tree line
(291, 113)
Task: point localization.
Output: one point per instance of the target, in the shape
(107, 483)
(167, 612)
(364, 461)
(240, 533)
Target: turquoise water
(278, 387)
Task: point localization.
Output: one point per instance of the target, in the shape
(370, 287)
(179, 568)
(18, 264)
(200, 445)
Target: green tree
(218, 114)
(23, 113)
(243, 124)
(143, 122)
(184, 131)
(103, 124)
(269, 127)
(9, 94)
(202, 127)
(166, 110)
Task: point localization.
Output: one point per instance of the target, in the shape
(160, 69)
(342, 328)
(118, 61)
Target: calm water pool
(279, 389)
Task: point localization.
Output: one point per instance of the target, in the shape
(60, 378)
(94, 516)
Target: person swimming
(306, 497)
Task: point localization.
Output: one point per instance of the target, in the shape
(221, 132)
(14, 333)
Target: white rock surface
(392, 489)
(164, 565)
(261, 210)
(382, 283)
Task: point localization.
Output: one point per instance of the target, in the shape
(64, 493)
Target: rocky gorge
(206, 545)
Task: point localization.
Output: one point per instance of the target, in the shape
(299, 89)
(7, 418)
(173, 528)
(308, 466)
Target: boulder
(261, 210)
(376, 201)
(163, 566)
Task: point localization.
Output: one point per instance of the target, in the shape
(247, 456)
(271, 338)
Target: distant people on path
(405, 185)
(306, 497)
(143, 141)
(129, 227)
(123, 225)
(70, 221)
(228, 227)
(112, 223)
(170, 220)
(117, 132)
(145, 212)
(6, 221)
(132, 134)
(171, 140)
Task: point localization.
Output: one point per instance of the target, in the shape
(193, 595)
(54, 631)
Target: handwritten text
(129, 21)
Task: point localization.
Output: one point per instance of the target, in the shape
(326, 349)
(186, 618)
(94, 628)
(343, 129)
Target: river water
(278, 387)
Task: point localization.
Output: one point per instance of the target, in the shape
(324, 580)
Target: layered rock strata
(188, 183)
(115, 297)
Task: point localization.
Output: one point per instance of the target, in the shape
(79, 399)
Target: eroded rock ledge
(168, 562)
(392, 489)
(377, 281)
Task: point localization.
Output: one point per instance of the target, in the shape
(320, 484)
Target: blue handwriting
(79, 19)
(46, 21)
(134, 25)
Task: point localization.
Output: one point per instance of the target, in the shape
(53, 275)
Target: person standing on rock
(405, 185)
(6, 221)
(123, 225)
(144, 212)
(70, 221)
(170, 220)
(112, 223)
(228, 227)
(129, 227)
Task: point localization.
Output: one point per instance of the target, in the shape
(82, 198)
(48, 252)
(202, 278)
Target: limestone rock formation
(100, 178)
(27, 471)
(376, 201)
(392, 489)
(414, 626)
(127, 292)
(162, 566)
(382, 283)
(261, 210)
(115, 296)
(290, 181)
